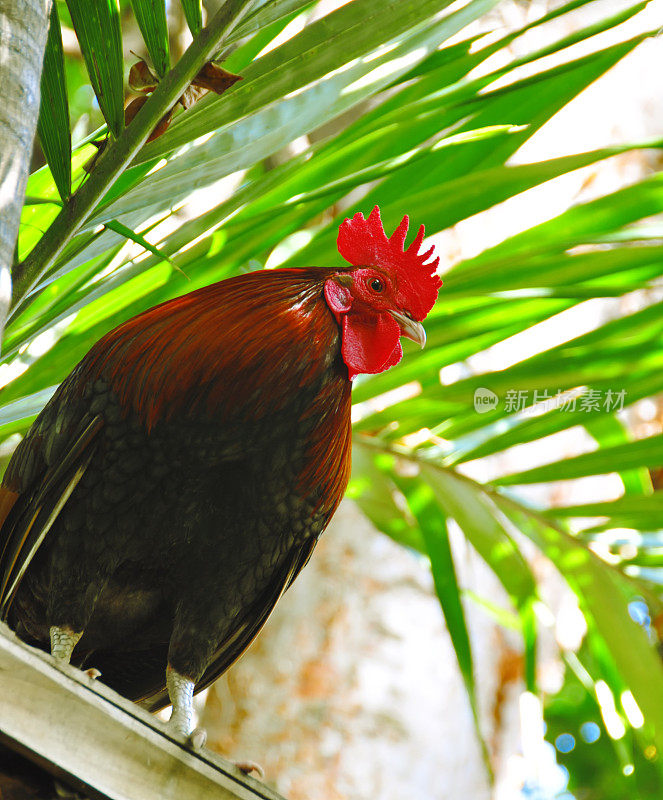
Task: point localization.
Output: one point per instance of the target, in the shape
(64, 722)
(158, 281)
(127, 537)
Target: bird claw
(93, 673)
(247, 767)
(197, 738)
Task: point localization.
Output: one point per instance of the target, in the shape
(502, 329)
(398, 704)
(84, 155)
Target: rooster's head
(385, 295)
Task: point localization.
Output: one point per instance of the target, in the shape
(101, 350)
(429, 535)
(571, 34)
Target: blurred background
(480, 619)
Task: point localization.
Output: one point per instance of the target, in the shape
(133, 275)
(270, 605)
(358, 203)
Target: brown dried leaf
(162, 126)
(141, 78)
(214, 78)
(211, 78)
(191, 96)
(135, 106)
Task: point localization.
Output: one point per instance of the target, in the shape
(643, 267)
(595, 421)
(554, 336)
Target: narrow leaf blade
(193, 13)
(53, 124)
(151, 19)
(97, 26)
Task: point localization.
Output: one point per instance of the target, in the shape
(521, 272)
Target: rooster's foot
(197, 738)
(247, 767)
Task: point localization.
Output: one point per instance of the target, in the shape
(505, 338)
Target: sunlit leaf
(53, 123)
(193, 12)
(97, 25)
(151, 18)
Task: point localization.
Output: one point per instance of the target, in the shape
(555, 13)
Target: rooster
(180, 477)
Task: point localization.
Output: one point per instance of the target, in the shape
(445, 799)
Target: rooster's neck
(241, 355)
(244, 346)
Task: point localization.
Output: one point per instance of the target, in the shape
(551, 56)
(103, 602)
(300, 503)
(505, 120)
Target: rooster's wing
(44, 471)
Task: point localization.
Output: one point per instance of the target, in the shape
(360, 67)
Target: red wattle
(370, 343)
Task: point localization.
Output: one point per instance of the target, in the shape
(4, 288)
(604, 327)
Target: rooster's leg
(63, 641)
(180, 691)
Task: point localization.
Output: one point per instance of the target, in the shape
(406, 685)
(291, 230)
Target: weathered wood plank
(104, 744)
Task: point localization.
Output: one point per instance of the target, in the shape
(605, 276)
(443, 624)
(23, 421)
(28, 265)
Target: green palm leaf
(97, 25)
(53, 123)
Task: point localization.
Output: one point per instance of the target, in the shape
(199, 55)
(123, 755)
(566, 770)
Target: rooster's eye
(376, 285)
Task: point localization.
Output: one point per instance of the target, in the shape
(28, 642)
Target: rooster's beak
(410, 327)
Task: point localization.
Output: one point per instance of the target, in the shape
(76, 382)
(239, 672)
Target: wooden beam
(99, 742)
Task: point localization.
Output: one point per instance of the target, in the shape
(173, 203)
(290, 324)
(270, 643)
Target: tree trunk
(23, 30)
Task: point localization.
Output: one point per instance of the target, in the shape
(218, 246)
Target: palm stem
(118, 155)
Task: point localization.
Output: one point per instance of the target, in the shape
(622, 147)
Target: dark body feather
(205, 445)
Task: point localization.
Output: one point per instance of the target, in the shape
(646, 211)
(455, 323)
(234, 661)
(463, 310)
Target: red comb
(363, 242)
